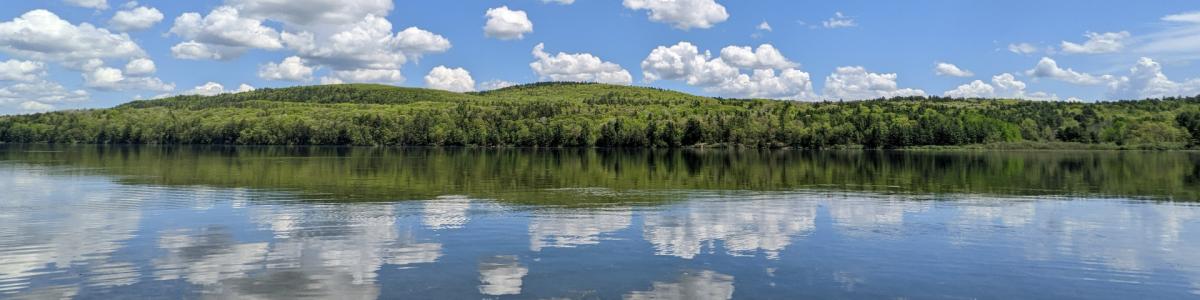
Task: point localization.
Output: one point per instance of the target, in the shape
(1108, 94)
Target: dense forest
(585, 114)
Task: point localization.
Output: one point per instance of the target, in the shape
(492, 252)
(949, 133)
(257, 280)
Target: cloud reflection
(744, 224)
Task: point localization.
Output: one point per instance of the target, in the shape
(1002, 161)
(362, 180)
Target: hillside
(584, 114)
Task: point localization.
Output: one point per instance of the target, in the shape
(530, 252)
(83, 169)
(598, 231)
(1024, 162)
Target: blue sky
(65, 54)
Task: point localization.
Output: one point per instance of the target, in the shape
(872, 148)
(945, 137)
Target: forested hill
(582, 114)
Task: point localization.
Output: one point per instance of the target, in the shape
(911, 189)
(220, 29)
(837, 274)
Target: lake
(362, 223)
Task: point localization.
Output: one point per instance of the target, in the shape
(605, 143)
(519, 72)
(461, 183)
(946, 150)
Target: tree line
(597, 115)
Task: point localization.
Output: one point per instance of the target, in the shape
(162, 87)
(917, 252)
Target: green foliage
(558, 114)
(1190, 121)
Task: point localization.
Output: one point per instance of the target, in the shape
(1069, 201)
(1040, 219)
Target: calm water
(350, 223)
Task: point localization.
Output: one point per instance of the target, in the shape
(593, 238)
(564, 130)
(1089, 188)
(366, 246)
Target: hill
(586, 114)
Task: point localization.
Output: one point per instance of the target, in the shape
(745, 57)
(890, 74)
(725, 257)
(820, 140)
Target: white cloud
(682, 14)
(368, 75)
(765, 83)
(103, 78)
(96, 4)
(1022, 48)
(1188, 17)
(1048, 68)
(290, 69)
(140, 66)
(975, 89)
(1107, 42)
(1179, 38)
(313, 14)
(366, 51)
(949, 69)
(454, 80)
(331, 80)
(764, 26)
(42, 35)
(37, 95)
(1002, 86)
(21, 70)
(772, 77)
(839, 20)
(765, 57)
(495, 84)
(506, 24)
(1146, 80)
(112, 79)
(563, 2)
(208, 89)
(197, 51)
(855, 83)
(212, 89)
(415, 42)
(577, 67)
(225, 27)
(140, 18)
(683, 61)
(35, 106)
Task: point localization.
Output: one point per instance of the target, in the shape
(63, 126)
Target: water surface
(364, 223)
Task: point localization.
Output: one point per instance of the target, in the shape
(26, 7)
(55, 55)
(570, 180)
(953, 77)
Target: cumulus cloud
(765, 57)
(1107, 42)
(1002, 86)
(196, 51)
(212, 89)
(839, 20)
(139, 18)
(96, 4)
(352, 38)
(223, 33)
(21, 70)
(1022, 48)
(495, 84)
(313, 14)
(113, 79)
(34, 106)
(1048, 68)
(975, 89)
(290, 69)
(454, 80)
(949, 69)
(682, 14)
(39, 95)
(772, 75)
(140, 66)
(414, 42)
(767, 83)
(367, 51)
(1146, 80)
(577, 67)
(41, 35)
(506, 24)
(855, 83)
(366, 75)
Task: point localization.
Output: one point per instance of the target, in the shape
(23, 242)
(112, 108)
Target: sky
(72, 54)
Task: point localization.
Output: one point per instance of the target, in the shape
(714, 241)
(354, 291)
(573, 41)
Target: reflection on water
(90, 229)
(501, 275)
(756, 223)
(702, 285)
